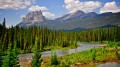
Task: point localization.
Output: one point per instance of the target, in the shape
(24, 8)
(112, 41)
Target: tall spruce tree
(36, 59)
(4, 22)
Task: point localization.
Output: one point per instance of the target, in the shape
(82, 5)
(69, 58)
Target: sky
(14, 10)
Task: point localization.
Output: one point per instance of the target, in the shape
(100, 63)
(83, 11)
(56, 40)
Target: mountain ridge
(78, 20)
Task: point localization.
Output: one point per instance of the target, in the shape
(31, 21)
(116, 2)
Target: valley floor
(109, 53)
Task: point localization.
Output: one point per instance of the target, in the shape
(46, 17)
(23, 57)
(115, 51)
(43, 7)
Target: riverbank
(25, 58)
(83, 55)
(110, 53)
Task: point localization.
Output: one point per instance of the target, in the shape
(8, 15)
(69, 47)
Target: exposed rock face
(71, 15)
(33, 17)
(78, 13)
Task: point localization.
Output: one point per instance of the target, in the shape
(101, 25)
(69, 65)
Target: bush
(114, 44)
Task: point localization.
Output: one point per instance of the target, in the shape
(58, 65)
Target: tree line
(34, 39)
(25, 38)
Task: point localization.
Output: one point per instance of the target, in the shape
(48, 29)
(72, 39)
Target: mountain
(75, 21)
(33, 17)
(73, 15)
(76, 16)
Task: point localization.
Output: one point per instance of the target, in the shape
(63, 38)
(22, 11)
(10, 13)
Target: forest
(25, 38)
(15, 39)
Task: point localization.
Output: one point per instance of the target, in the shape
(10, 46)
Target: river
(45, 54)
(26, 58)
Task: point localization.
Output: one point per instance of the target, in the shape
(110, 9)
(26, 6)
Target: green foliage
(26, 40)
(11, 59)
(66, 64)
(114, 44)
(117, 54)
(1, 57)
(25, 37)
(15, 55)
(102, 54)
(36, 59)
(54, 60)
(94, 54)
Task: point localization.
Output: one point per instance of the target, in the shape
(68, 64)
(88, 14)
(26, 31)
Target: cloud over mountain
(88, 6)
(15, 4)
(44, 10)
(110, 7)
(48, 14)
(37, 8)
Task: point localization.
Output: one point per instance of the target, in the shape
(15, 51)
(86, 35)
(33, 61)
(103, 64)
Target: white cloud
(37, 8)
(22, 16)
(15, 4)
(48, 14)
(110, 7)
(44, 10)
(88, 6)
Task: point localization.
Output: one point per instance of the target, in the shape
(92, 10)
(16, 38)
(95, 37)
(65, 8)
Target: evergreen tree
(54, 60)
(36, 59)
(0, 56)
(108, 35)
(15, 55)
(94, 54)
(101, 35)
(11, 59)
(4, 23)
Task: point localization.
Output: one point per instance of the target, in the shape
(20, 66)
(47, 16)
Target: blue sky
(13, 11)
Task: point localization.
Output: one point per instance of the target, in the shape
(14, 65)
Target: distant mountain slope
(78, 21)
(76, 15)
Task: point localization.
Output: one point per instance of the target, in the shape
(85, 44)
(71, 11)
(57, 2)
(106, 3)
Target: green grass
(57, 48)
(95, 55)
(98, 42)
(103, 54)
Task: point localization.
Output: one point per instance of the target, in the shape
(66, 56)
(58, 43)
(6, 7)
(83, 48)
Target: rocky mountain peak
(74, 14)
(79, 12)
(33, 17)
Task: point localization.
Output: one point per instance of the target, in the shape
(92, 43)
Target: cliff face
(33, 17)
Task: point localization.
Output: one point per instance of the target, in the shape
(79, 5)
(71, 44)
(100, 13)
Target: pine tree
(6, 61)
(11, 59)
(4, 22)
(0, 56)
(36, 59)
(54, 60)
(94, 54)
(101, 35)
(108, 37)
(15, 55)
